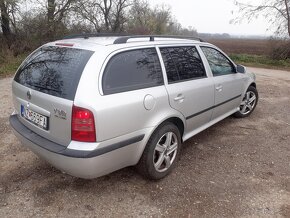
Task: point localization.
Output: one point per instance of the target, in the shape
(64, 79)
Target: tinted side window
(182, 63)
(171, 70)
(54, 70)
(219, 64)
(132, 70)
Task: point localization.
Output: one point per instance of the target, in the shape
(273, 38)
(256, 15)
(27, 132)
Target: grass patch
(260, 61)
(9, 63)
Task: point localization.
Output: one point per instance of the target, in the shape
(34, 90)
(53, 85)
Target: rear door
(190, 90)
(133, 96)
(228, 83)
(44, 88)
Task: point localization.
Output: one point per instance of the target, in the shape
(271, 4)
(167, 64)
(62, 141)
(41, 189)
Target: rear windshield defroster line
(54, 70)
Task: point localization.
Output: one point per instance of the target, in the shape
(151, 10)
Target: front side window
(182, 63)
(218, 63)
(132, 70)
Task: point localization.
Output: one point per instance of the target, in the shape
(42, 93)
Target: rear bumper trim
(33, 137)
(62, 150)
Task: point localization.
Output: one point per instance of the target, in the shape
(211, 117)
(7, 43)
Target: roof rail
(124, 39)
(88, 35)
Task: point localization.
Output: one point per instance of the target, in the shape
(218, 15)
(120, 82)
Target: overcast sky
(213, 16)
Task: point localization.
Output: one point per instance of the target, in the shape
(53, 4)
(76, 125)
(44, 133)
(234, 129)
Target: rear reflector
(83, 125)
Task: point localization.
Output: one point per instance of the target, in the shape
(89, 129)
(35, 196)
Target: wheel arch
(253, 84)
(175, 120)
(174, 117)
(146, 155)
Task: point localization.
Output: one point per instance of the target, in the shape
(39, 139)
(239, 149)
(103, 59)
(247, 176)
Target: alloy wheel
(165, 152)
(248, 103)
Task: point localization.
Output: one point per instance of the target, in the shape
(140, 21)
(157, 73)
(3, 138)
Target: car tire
(161, 152)
(248, 104)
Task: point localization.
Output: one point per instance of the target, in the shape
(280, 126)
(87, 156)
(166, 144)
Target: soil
(237, 168)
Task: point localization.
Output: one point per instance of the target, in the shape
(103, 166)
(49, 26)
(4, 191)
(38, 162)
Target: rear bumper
(82, 163)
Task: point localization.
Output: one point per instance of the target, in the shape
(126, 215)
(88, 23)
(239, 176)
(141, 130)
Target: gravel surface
(237, 168)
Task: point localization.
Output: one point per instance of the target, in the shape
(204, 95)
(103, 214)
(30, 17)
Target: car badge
(28, 94)
(59, 113)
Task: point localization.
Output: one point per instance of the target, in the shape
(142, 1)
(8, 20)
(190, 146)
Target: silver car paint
(185, 97)
(114, 113)
(59, 129)
(90, 167)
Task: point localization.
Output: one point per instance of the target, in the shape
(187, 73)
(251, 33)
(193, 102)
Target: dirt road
(237, 168)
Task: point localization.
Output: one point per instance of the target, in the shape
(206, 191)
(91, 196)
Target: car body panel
(191, 103)
(59, 129)
(87, 167)
(228, 93)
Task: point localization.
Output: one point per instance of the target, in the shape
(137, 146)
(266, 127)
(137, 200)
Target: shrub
(279, 49)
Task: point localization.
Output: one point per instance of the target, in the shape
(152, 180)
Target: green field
(261, 61)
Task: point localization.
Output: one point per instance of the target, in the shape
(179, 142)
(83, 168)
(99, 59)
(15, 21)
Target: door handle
(179, 97)
(219, 88)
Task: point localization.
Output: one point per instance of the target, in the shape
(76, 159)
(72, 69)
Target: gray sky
(213, 16)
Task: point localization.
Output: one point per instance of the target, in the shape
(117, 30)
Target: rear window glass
(131, 70)
(54, 70)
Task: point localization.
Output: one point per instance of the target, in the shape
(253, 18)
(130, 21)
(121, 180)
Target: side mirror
(241, 69)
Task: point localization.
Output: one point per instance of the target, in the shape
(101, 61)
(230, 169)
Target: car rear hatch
(44, 88)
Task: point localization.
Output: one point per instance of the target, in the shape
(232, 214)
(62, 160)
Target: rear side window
(182, 63)
(54, 70)
(131, 70)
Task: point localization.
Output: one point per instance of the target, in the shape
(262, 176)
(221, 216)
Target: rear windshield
(54, 70)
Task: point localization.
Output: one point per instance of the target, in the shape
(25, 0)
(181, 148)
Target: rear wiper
(42, 87)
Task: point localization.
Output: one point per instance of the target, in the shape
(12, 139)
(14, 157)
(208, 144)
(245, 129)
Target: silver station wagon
(91, 104)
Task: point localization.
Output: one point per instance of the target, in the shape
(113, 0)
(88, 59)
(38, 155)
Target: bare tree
(107, 15)
(90, 12)
(105, 6)
(119, 15)
(8, 9)
(5, 22)
(56, 12)
(277, 13)
(30, 23)
(147, 20)
(140, 17)
(162, 17)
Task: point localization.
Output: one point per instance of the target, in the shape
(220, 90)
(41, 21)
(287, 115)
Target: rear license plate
(34, 117)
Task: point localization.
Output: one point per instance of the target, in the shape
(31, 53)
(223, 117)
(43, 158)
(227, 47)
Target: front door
(228, 83)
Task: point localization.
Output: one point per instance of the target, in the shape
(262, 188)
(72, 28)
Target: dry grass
(9, 63)
(243, 46)
(256, 52)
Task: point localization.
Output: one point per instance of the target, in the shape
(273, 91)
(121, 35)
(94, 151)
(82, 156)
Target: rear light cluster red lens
(83, 125)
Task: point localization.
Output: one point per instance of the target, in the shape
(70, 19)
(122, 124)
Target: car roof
(94, 42)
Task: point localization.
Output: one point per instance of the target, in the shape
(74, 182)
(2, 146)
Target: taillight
(82, 125)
